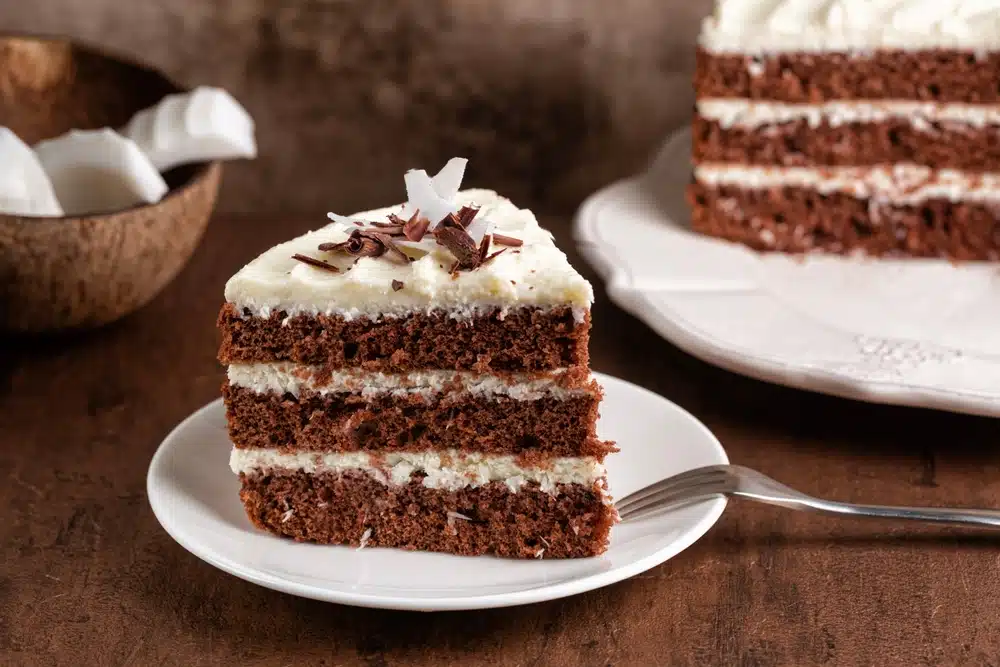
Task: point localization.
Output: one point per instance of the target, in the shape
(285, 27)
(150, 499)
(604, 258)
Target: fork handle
(940, 515)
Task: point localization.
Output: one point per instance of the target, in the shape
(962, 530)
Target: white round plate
(196, 499)
(910, 332)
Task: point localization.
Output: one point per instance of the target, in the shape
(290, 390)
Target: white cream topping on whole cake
(771, 26)
(737, 112)
(286, 377)
(450, 469)
(536, 274)
(895, 184)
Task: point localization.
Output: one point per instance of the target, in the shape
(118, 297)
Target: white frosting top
(769, 26)
(535, 274)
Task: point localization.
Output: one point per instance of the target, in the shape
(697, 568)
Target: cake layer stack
(850, 125)
(417, 377)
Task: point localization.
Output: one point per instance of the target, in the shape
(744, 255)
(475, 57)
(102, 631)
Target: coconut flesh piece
(204, 124)
(99, 170)
(25, 188)
(434, 197)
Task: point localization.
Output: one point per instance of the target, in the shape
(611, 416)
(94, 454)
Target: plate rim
(713, 511)
(682, 333)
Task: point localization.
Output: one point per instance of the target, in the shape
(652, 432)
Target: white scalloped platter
(913, 332)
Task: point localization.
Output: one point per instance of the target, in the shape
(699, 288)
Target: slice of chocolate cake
(850, 125)
(417, 377)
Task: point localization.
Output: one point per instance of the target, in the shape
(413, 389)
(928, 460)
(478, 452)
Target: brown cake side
(772, 129)
(941, 145)
(574, 522)
(525, 339)
(941, 75)
(797, 220)
(349, 422)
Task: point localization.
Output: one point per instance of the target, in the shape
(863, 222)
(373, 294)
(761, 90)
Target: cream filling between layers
(292, 378)
(449, 470)
(735, 112)
(897, 184)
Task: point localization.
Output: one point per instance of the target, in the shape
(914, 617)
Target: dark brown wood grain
(87, 576)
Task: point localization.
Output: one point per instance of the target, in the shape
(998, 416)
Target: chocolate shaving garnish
(458, 241)
(415, 228)
(358, 244)
(318, 263)
(358, 223)
(466, 214)
(391, 230)
(500, 239)
(491, 257)
(386, 225)
(389, 247)
(484, 248)
(397, 285)
(450, 220)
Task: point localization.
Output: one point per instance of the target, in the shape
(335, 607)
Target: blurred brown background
(548, 98)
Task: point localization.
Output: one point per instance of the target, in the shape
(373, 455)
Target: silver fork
(729, 480)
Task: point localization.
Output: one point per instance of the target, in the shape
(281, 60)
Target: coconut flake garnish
(340, 219)
(433, 200)
(448, 181)
(421, 196)
(365, 536)
(287, 515)
(478, 228)
(458, 515)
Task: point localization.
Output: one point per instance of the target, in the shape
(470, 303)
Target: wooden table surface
(88, 577)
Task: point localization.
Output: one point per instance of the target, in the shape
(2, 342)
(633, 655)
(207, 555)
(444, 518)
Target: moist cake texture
(846, 125)
(417, 377)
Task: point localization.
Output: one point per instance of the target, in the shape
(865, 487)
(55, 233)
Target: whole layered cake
(417, 377)
(844, 125)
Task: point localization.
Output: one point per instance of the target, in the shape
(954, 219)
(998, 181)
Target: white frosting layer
(898, 184)
(735, 112)
(537, 274)
(769, 26)
(287, 377)
(449, 470)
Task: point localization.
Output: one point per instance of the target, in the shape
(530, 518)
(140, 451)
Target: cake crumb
(365, 536)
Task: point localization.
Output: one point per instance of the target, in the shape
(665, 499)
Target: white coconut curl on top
(433, 198)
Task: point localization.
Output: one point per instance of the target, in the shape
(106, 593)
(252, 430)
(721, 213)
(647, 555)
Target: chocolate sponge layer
(932, 75)
(525, 339)
(353, 508)
(799, 144)
(802, 220)
(350, 422)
